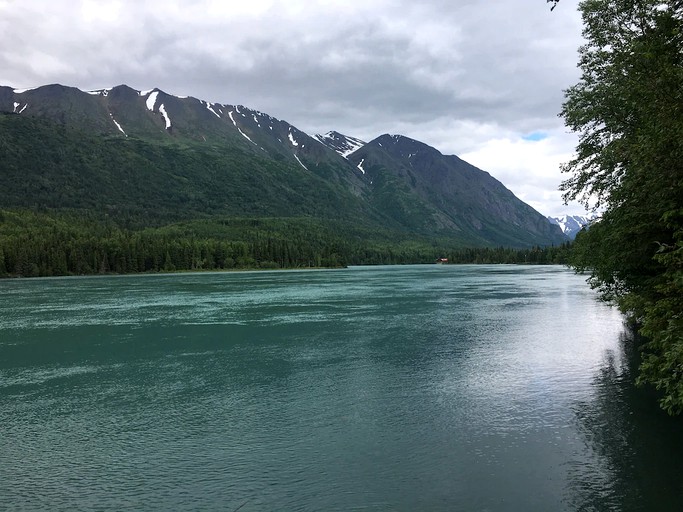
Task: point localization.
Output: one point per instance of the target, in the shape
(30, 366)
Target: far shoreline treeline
(43, 244)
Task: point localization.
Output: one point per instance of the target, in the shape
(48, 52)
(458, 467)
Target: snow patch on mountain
(151, 100)
(117, 124)
(100, 92)
(232, 118)
(300, 163)
(162, 109)
(17, 105)
(210, 109)
(292, 139)
(340, 143)
(360, 166)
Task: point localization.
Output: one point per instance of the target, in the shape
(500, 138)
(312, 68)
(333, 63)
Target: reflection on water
(633, 449)
(384, 388)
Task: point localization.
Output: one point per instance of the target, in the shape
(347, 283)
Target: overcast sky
(482, 79)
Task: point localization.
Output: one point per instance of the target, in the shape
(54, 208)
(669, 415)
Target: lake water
(412, 388)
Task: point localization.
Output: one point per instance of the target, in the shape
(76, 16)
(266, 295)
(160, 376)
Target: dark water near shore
(387, 388)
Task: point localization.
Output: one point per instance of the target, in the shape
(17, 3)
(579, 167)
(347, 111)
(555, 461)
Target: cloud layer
(477, 79)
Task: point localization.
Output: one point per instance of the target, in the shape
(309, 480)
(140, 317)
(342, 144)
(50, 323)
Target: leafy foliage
(628, 111)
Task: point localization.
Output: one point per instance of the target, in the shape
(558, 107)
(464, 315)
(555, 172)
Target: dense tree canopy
(628, 111)
(51, 243)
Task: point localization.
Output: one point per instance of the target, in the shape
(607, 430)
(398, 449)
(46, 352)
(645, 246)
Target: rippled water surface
(371, 388)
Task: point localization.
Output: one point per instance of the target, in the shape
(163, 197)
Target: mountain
(571, 224)
(155, 156)
(151, 158)
(425, 189)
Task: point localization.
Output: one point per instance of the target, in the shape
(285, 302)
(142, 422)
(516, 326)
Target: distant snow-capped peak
(571, 224)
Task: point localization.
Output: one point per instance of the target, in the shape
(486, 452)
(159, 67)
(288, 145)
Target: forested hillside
(47, 165)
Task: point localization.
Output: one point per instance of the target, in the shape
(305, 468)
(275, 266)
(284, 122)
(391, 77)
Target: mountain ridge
(262, 163)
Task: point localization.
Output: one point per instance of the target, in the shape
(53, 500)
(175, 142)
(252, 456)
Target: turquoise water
(370, 388)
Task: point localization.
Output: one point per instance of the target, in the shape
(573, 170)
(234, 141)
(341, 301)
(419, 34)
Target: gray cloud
(455, 74)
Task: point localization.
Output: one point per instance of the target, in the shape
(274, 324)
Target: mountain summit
(149, 156)
(571, 224)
